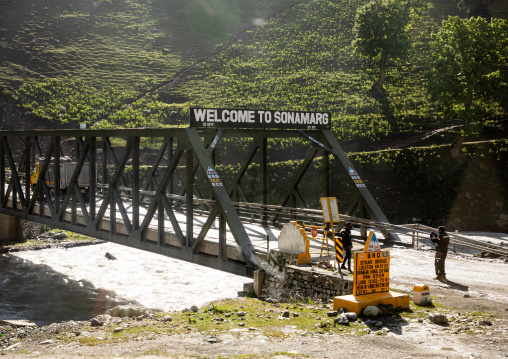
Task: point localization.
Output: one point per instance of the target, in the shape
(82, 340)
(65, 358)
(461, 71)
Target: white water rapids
(57, 284)
(62, 284)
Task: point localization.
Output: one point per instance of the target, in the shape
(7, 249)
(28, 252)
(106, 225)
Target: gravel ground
(476, 292)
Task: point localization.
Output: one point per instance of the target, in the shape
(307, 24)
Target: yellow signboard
(372, 272)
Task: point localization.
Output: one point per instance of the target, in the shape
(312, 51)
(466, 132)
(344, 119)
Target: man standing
(347, 244)
(442, 240)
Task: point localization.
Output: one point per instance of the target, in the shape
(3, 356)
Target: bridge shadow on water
(37, 293)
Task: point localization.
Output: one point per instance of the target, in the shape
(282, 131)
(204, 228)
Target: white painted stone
(291, 239)
(371, 311)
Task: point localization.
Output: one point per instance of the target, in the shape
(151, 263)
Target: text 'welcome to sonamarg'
(263, 119)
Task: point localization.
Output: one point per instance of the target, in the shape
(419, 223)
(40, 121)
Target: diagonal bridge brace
(364, 196)
(223, 202)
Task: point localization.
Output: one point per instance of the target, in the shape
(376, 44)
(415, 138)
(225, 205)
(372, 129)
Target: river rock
(194, 309)
(48, 341)
(123, 311)
(21, 323)
(100, 320)
(60, 235)
(351, 316)
(438, 319)
(333, 313)
(485, 322)
(11, 347)
(371, 311)
(341, 319)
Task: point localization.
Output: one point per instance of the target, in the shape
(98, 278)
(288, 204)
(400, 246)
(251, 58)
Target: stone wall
(288, 281)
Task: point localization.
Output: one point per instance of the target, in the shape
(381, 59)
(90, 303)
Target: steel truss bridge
(141, 181)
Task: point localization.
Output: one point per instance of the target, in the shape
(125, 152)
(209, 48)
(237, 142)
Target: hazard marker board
(372, 244)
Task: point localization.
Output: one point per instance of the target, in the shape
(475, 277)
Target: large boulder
(439, 319)
(100, 320)
(123, 311)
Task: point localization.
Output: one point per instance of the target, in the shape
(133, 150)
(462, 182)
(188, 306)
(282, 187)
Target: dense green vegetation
(383, 29)
(303, 60)
(110, 63)
(107, 63)
(427, 183)
(95, 58)
(468, 77)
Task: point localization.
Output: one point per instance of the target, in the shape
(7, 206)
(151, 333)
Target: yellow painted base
(304, 258)
(357, 303)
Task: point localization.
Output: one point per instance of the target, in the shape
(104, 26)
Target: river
(58, 284)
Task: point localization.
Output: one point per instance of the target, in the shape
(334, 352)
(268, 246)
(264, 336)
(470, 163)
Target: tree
(383, 28)
(476, 7)
(468, 63)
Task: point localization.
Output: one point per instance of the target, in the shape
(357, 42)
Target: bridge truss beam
(135, 178)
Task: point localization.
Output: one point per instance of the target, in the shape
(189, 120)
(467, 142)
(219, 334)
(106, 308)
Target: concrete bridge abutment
(11, 229)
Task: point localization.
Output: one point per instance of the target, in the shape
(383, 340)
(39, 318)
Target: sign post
(314, 234)
(331, 216)
(372, 273)
(263, 119)
(371, 285)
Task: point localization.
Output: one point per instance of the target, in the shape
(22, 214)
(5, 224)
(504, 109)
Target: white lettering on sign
(259, 118)
(212, 115)
(200, 114)
(356, 179)
(301, 118)
(213, 177)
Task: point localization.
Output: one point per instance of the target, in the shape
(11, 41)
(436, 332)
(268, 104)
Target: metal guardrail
(259, 213)
(263, 214)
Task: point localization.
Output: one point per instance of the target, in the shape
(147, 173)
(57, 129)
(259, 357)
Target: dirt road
(486, 278)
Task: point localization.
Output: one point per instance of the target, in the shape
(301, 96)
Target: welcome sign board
(262, 119)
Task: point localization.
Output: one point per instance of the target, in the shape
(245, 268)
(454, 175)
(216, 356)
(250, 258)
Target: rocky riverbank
(467, 318)
(49, 240)
(248, 326)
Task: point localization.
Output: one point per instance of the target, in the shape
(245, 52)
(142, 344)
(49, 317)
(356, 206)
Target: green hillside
(133, 63)
(94, 57)
(87, 61)
(303, 60)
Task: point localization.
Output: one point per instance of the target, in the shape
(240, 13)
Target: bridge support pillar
(363, 232)
(11, 230)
